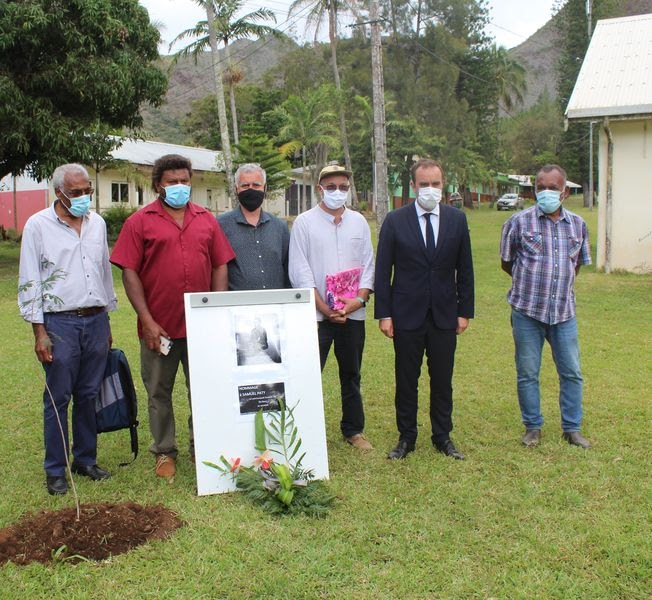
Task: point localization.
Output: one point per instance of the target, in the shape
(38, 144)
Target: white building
(128, 182)
(614, 90)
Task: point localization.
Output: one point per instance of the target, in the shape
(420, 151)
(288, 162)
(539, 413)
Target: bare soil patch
(103, 530)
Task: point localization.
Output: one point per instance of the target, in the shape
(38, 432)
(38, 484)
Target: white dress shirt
(320, 247)
(61, 270)
(434, 220)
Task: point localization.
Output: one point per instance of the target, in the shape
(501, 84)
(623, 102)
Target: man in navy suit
(424, 299)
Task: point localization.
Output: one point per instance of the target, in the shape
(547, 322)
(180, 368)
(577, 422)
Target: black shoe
(448, 448)
(575, 438)
(402, 449)
(92, 471)
(56, 484)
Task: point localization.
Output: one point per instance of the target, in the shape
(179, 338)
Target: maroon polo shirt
(171, 260)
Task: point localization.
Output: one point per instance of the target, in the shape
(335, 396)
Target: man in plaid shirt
(542, 249)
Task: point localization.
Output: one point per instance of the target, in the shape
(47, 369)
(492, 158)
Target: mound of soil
(102, 530)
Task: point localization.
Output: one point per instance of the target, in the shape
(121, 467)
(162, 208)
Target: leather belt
(87, 311)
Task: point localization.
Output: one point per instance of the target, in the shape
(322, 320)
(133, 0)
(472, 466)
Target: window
(119, 192)
(140, 196)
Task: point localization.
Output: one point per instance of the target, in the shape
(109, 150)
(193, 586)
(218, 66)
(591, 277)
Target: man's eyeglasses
(331, 187)
(77, 193)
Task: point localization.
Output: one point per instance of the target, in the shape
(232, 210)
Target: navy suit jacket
(408, 282)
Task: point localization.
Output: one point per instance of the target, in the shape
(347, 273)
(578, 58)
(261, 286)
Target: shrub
(115, 218)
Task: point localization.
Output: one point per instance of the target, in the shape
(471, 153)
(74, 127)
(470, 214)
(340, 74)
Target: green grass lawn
(509, 522)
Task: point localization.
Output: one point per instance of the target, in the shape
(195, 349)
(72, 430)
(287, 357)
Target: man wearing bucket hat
(331, 252)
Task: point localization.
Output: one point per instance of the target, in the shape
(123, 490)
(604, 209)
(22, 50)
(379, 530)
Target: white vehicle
(509, 202)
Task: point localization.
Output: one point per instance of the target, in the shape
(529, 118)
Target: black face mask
(251, 199)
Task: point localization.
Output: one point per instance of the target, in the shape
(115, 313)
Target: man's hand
(462, 324)
(350, 304)
(152, 333)
(337, 316)
(387, 327)
(43, 348)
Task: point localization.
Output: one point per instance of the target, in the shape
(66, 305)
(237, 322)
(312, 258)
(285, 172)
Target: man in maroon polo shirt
(167, 248)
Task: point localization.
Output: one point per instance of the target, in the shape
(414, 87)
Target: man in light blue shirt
(65, 292)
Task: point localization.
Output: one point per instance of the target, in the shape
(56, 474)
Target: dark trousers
(80, 346)
(439, 346)
(159, 372)
(348, 339)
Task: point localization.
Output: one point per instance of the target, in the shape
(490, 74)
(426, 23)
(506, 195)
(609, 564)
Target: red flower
(235, 465)
(264, 460)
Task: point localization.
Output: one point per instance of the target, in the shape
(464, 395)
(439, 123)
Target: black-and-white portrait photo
(257, 339)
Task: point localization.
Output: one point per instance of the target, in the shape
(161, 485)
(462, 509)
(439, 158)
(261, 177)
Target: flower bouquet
(280, 485)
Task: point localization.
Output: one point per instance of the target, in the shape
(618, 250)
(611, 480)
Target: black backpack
(116, 406)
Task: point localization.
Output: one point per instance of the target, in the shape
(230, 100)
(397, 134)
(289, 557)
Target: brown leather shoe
(531, 438)
(359, 441)
(165, 466)
(574, 438)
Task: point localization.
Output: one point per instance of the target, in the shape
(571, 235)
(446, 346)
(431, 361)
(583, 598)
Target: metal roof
(143, 152)
(616, 75)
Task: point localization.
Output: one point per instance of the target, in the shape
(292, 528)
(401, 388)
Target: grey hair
(249, 168)
(60, 173)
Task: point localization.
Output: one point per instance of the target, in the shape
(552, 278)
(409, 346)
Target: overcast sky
(512, 21)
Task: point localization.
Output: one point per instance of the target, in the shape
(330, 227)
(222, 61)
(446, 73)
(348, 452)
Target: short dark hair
(424, 163)
(169, 162)
(548, 169)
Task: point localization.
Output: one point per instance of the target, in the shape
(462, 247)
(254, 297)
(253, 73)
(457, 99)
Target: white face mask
(335, 199)
(429, 197)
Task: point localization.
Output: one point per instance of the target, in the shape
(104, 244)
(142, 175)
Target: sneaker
(165, 466)
(359, 441)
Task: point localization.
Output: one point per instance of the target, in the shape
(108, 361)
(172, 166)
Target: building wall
(30, 197)
(629, 219)
(115, 189)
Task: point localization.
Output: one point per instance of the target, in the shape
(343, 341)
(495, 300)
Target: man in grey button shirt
(260, 240)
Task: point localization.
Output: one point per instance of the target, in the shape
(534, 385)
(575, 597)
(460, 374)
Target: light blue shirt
(61, 270)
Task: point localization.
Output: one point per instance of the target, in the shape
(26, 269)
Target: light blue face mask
(78, 206)
(177, 196)
(549, 200)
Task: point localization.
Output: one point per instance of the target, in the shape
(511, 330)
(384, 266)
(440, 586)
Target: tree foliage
(66, 67)
(259, 149)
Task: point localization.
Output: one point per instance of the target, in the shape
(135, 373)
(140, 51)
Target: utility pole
(589, 19)
(381, 195)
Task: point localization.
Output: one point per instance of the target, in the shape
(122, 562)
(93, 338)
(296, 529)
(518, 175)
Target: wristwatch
(361, 301)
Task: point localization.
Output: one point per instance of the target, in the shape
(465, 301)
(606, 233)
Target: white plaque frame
(223, 364)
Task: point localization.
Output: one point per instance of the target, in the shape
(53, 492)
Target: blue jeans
(529, 335)
(80, 346)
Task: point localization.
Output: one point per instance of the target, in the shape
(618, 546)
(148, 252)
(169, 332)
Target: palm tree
(308, 126)
(314, 18)
(227, 29)
(509, 76)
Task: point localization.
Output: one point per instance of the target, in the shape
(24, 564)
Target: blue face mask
(78, 206)
(177, 196)
(549, 201)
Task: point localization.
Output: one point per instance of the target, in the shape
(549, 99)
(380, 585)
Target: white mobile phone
(166, 344)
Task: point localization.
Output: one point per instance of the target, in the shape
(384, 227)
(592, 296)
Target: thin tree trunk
(303, 199)
(382, 201)
(234, 114)
(221, 106)
(332, 32)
